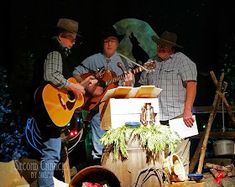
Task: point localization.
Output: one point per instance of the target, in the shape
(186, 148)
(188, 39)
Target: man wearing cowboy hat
(109, 60)
(176, 74)
(54, 70)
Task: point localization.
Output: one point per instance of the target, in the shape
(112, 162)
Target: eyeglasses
(110, 40)
(71, 38)
(161, 46)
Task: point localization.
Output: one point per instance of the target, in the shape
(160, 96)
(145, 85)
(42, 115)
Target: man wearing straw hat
(55, 71)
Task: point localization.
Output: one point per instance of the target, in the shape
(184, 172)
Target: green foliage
(153, 140)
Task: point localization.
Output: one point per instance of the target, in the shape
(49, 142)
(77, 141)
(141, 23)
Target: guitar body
(94, 94)
(60, 104)
(92, 101)
(106, 80)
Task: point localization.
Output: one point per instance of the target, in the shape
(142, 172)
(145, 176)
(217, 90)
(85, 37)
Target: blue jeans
(51, 146)
(97, 132)
(50, 157)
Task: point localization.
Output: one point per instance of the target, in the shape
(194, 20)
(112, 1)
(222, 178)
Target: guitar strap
(88, 69)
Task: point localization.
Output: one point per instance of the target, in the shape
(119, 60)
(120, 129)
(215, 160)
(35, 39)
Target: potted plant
(153, 139)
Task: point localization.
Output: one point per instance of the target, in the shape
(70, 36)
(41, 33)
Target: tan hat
(169, 38)
(67, 24)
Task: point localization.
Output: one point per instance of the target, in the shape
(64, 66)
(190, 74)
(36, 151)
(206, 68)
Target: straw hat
(169, 38)
(68, 25)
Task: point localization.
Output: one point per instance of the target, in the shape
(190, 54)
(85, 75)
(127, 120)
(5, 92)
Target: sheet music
(144, 91)
(179, 126)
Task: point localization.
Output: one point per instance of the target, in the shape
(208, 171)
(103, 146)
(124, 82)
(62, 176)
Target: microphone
(120, 65)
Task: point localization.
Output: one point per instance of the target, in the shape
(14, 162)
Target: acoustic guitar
(108, 80)
(60, 104)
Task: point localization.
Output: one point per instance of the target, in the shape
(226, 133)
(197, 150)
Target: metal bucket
(223, 147)
(95, 174)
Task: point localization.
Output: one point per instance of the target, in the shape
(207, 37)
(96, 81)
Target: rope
(158, 172)
(32, 134)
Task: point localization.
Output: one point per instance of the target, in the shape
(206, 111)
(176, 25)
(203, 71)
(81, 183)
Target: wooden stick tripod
(219, 97)
(65, 164)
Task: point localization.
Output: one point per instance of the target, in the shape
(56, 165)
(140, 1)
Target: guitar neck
(122, 77)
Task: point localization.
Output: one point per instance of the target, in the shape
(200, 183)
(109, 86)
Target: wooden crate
(117, 112)
(187, 184)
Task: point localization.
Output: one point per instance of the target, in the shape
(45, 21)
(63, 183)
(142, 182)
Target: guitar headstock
(150, 65)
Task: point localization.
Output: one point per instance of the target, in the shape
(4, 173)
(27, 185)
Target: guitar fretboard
(122, 77)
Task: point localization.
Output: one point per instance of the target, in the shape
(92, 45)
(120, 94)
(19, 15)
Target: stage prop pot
(223, 147)
(95, 174)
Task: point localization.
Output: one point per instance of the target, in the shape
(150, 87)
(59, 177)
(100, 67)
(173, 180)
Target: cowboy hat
(68, 25)
(169, 38)
(110, 31)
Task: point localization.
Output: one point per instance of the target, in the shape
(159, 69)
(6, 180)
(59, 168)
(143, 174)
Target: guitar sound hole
(71, 95)
(70, 103)
(102, 83)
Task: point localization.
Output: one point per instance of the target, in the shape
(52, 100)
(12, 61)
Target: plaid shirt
(170, 75)
(53, 68)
